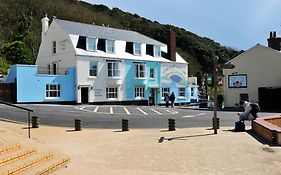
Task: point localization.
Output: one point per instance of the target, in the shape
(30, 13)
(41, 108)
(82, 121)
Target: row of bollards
(125, 124)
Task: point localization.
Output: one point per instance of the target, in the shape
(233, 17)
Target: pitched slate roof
(91, 30)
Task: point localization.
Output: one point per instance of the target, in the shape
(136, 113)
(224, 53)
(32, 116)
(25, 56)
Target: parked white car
(2, 78)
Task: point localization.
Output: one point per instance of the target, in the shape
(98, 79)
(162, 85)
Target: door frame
(82, 94)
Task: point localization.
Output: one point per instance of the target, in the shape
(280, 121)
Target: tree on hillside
(20, 22)
(16, 52)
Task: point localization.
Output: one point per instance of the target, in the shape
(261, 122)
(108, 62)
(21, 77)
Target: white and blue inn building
(86, 63)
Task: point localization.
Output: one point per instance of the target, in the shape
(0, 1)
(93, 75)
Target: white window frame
(181, 92)
(139, 72)
(151, 73)
(54, 47)
(137, 48)
(157, 51)
(51, 90)
(110, 48)
(139, 92)
(92, 69)
(91, 44)
(165, 91)
(113, 71)
(111, 93)
(192, 92)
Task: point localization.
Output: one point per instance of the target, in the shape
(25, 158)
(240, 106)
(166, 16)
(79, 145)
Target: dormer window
(91, 44)
(157, 51)
(137, 49)
(110, 46)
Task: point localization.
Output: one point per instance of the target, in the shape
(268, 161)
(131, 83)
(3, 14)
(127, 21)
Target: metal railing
(47, 71)
(22, 108)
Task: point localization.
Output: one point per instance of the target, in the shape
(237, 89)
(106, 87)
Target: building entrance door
(84, 95)
(152, 98)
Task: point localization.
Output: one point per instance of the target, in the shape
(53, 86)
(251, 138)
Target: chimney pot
(45, 26)
(274, 42)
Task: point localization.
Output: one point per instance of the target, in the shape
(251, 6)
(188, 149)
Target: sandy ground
(192, 151)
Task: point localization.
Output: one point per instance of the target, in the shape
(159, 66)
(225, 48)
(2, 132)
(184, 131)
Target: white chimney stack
(45, 26)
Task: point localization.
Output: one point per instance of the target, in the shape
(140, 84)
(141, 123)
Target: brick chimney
(273, 41)
(172, 45)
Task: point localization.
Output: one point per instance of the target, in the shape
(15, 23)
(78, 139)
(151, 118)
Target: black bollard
(172, 124)
(35, 122)
(78, 125)
(125, 125)
(218, 123)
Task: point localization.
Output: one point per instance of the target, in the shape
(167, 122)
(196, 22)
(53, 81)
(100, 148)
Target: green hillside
(20, 31)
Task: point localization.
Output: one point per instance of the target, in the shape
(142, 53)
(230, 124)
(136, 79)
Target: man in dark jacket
(172, 99)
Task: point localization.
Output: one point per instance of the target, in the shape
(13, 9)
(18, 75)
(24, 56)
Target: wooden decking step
(17, 156)
(9, 148)
(29, 164)
(53, 167)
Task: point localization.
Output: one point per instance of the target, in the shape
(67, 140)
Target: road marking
(126, 110)
(190, 116)
(171, 112)
(142, 111)
(110, 111)
(156, 111)
(96, 109)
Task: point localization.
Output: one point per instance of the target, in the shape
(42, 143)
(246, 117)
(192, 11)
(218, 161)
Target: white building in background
(256, 76)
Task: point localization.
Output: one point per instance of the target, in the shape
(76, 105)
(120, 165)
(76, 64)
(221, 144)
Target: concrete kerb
(11, 121)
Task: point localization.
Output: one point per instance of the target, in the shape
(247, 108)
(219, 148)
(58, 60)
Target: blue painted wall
(31, 87)
(12, 74)
(189, 98)
(132, 82)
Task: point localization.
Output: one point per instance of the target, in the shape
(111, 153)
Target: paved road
(93, 116)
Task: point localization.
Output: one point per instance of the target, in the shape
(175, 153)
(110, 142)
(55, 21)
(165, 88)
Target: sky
(239, 24)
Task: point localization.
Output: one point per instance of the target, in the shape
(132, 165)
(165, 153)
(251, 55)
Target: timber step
(16, 159)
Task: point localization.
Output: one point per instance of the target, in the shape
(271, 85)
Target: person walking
(167, 100)
(220, 100)
(172, 99)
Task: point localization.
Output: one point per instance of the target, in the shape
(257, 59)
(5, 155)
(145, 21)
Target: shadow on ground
(182, 137)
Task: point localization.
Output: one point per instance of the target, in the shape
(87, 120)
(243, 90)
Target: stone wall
(7, 92)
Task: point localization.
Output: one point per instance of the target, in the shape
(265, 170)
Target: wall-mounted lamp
(91, 87)
(78, 87)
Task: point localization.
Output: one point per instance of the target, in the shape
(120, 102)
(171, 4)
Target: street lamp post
(216, 67)
(206, 85)
(215, 94)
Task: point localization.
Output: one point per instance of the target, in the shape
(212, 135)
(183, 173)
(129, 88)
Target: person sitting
(250, 111)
